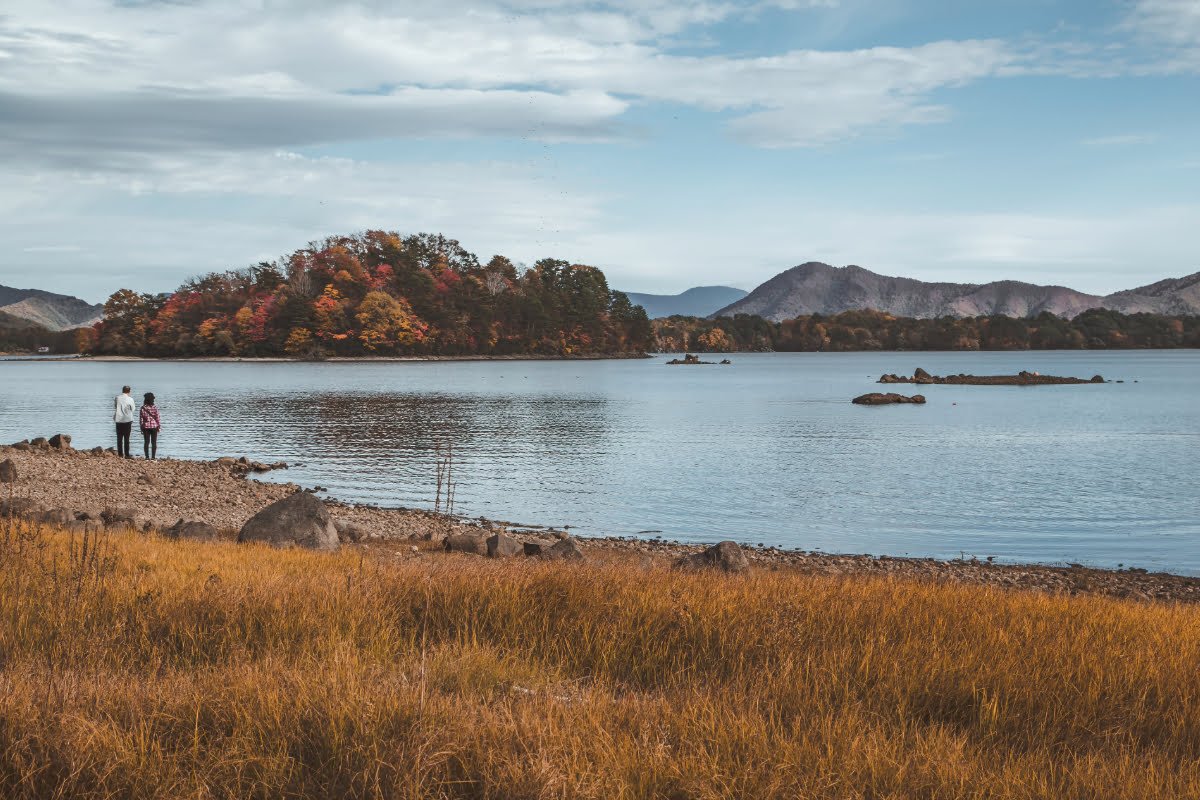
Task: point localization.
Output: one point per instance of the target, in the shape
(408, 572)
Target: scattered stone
(8, 471)
(349, 532)
(881, 399)
(196, 531)
(725, 556)
(500, 545)
(146, 479)
(60, 441)
(97, 450)
(466, 543)
(22, 445)
(299, 520)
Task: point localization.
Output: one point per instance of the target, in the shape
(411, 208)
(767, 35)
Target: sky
(671, 144)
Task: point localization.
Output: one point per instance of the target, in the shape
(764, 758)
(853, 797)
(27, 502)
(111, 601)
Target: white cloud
(1121, 140)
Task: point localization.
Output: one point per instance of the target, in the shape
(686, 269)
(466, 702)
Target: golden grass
(137, 667)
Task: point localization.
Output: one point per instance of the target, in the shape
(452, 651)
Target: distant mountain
(816, 288)
(696, 302)
(55, 312)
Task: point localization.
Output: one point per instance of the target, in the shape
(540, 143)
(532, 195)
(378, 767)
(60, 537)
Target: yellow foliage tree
(386, 322)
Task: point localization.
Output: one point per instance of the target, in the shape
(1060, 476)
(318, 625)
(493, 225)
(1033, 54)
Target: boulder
(882, 399)
(349, 532)
(725, 556)
(226, 461)
(500, 545)
(533, 548)
(40, 443)
(466, 543)
(60, 441)
(8, 471)
(97, 450)
(57, 516)
(564, 549)
(298, 520)
(20, 508)
(1097, 379)
(119, 517)
(197, 531)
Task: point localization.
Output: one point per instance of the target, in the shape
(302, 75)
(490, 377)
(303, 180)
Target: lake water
(767, 450)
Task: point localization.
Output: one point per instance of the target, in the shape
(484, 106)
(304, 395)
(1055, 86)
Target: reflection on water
(768, 450)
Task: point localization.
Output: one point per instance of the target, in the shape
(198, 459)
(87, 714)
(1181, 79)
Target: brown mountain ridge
(817, 288)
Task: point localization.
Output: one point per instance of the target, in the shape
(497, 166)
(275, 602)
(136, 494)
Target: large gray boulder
(298, 520)
(563, 550)
(197, 531)
(726, 557)
(466, 543)
(60, 441)
(500, 545)
(8, 471)
(349, 532)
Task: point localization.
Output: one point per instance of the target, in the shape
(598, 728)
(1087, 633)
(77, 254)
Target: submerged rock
(298, 520)
(1023, 378)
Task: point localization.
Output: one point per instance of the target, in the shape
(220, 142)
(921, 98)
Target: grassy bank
(138, 667)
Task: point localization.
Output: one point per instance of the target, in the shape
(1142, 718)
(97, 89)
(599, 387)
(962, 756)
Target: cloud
(98, 77)
(1121, 140)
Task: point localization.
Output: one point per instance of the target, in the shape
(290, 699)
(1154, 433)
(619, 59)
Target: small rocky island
(890, 398)
(1022, 378)
(689, 359)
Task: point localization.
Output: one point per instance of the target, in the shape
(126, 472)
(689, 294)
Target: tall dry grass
(136, 667)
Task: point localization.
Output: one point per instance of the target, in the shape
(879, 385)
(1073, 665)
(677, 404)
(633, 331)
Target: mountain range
(699, 301)
(55, 312)
(816, 288)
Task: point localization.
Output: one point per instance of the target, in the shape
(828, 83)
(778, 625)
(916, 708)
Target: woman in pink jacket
(151, 424)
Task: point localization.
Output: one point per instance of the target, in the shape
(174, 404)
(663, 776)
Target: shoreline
(30, 357)
(164, 491)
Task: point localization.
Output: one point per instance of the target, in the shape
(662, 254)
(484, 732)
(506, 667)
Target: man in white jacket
(123, 416)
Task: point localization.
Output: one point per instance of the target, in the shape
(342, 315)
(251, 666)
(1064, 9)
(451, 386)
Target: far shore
(164, 491)
(28, 357)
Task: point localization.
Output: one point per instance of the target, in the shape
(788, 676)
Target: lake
(767, 450)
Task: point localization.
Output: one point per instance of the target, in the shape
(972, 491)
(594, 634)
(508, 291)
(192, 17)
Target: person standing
(123, 416)
(151, 424)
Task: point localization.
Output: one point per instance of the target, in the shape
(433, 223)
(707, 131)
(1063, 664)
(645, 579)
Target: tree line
(873, 330)
(378, 293)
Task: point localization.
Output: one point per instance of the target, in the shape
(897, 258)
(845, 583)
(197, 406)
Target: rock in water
(726, 556)
(502, 546)
(881, 399)
(198, 531)
(298, 520)
(8, 471)
(466, 543)
(60, 441)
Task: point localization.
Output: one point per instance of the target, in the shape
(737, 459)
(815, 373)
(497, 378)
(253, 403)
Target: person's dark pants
(123, 431)
(150, 442)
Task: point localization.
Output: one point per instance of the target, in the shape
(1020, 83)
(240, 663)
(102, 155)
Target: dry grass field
(136, 667)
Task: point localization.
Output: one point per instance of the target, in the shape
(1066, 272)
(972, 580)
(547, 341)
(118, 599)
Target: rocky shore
(77, 487)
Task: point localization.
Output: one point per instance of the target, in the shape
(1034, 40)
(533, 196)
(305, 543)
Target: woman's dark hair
(149, 398)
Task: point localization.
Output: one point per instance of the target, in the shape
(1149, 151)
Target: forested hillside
(378, 293)
(873, 330)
